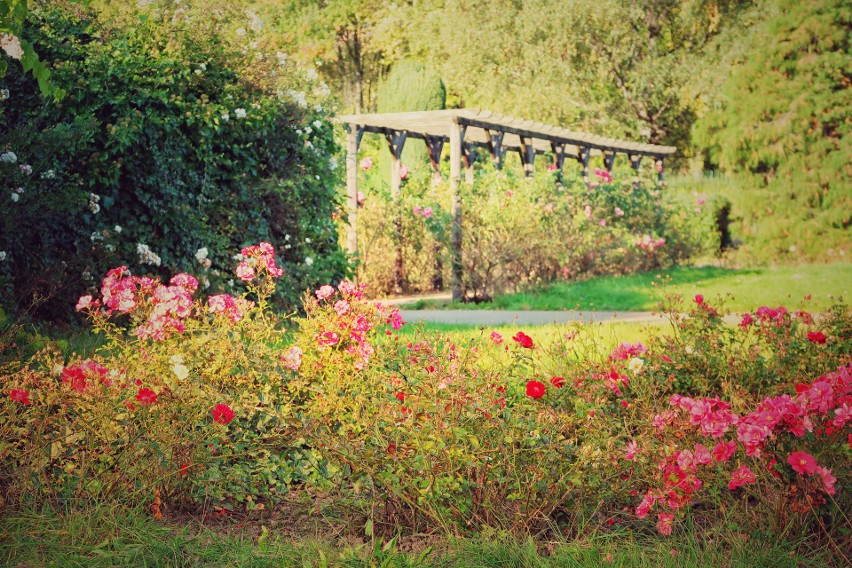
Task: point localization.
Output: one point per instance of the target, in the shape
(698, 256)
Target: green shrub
(171, 143)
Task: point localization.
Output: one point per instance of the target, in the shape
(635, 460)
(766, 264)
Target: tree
(340, 38)
(783, 115)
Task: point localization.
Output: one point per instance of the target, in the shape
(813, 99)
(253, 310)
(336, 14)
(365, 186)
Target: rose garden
(200, 364)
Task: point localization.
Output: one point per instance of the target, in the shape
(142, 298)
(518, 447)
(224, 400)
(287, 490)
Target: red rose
(558, 382)
(400, 396)
(146, 396)
(524, 339)
(20, 395)
(699, 299)
(816, 337)
(222, 413)
(535, 389)
(76, 377)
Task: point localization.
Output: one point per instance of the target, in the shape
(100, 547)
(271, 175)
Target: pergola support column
(353, 140)
(660, 167)
(558, 154)
(456, 141)
(396, 142)
(434, 147)
(609, 160)
(495, 147)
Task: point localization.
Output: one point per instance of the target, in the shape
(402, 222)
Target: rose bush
(521, 232)
(188, 399)
(215, 401)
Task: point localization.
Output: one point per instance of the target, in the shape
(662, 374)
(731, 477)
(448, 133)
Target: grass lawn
(749, 288)
(600, 337)
(116, 536)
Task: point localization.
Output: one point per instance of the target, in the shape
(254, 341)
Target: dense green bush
(178, 140)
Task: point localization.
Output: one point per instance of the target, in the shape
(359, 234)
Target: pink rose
(245, 272)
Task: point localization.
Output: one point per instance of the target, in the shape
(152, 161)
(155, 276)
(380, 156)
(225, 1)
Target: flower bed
(212, 401)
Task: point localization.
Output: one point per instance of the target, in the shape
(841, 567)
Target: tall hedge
(783, 116)
(176, 135)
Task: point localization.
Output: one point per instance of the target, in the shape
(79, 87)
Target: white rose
(181, 372)
(12, 46)
(635, 365)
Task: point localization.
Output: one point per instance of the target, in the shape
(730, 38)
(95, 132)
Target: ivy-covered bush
(179, 139)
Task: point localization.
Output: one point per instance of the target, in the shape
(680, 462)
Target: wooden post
(353, 138)
(558, 154)
(634, 163)
(659, 165)
(527, 153)
(456, 141)
(559, 157)
(396, 142)
(583, 157)
(434, 146)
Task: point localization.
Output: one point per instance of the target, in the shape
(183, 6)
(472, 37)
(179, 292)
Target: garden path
(518, 317)
(532, 317)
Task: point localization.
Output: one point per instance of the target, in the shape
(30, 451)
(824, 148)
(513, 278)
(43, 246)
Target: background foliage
(754, 91)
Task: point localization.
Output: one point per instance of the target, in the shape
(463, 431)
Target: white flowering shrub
(161, 176)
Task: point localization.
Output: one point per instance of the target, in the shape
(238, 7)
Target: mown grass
(600, 337)
(749, 288)
(112, 535)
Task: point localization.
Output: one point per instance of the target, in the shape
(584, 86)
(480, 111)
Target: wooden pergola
(465, 130)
